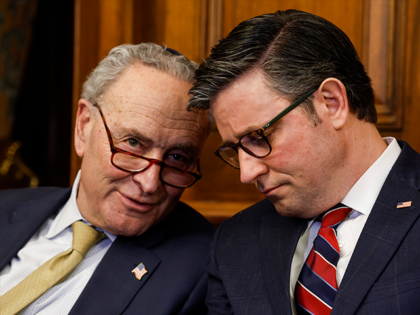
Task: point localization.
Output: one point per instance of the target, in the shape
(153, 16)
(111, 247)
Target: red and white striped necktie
(317, 284)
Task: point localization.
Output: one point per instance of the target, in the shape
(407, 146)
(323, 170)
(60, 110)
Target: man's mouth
(137, 204)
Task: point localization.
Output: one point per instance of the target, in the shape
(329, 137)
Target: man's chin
(128, 231)
(287, 210)
(128, 226)
(283, 212)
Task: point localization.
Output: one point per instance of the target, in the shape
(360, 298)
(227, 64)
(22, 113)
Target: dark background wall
(44, 103)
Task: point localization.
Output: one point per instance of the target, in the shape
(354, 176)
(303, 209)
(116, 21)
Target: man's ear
(334, 95)
(82, 130)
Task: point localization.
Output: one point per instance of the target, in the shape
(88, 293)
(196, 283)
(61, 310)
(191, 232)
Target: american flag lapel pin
(403, 204)
(139, 271)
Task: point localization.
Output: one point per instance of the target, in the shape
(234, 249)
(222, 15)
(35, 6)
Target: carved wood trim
(384, 28)
(211, 25)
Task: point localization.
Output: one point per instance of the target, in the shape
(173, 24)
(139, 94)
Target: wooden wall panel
(411, 88)
(383, 56)
(237, 11)
(86, 50)
(175, 23)
(115, 25)
(193, 26)
(410, 130)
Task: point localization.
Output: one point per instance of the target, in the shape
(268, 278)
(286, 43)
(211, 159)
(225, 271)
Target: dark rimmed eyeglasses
(255, 143)
(133, 163)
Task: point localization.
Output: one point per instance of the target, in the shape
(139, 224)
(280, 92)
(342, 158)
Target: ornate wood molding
(384, 28)
(211, 25)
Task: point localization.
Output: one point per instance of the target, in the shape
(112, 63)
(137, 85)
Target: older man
(339, 229)
(119, 241)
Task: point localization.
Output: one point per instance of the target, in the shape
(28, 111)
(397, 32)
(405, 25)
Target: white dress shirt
(54, 237)
(360, 198)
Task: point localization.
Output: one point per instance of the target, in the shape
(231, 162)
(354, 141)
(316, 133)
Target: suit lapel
(278, 240)
(25, 219)
(384, 231)
(113, 285)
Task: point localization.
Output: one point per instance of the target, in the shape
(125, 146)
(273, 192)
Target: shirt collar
(70, 213)
(363, 194)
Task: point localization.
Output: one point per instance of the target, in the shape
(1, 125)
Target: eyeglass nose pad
(156, 162)
(240, 152)
(151, 162)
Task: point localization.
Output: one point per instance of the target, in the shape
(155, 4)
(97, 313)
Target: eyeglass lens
(169, 175)
(256, 144)
(253, 143)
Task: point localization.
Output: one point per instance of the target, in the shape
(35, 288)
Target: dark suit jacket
(252, 254)
(175, 253)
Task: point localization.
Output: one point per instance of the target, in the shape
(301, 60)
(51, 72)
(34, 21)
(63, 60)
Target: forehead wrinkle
(119, 130)
(172, 123)
(171, 114)
(179, 120)
(186, 141)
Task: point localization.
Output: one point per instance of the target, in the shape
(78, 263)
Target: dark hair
(296, 51)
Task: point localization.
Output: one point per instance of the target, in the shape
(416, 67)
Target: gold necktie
(52, 272)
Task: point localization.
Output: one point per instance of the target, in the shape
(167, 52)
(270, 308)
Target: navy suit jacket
(175, 253)
(252, 254)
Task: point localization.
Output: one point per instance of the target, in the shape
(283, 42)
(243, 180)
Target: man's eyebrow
(135, 133)
(132, 132)
(190, 148)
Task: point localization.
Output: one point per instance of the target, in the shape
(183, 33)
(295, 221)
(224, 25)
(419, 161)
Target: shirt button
(341, 243)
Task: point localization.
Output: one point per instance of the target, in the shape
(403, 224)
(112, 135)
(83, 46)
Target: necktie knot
(84, 237)
(335, 216)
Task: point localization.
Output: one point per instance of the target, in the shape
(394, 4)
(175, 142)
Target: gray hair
(124, 56)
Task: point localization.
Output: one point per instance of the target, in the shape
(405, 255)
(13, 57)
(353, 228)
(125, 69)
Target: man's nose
(250, 167)
(149, 179)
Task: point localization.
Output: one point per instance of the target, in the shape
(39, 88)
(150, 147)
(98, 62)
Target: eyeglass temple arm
(111, 142)
(292, 106)
(288, 109)
(198, 167)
